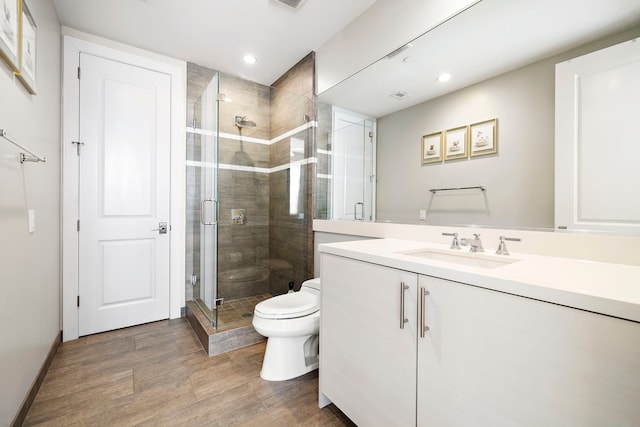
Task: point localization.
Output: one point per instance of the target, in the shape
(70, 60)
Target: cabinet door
(495, 359)
(367, 362)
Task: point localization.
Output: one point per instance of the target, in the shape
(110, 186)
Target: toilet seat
(288, 306)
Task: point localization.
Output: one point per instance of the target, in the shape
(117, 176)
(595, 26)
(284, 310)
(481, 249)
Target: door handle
(202, 221)
(403, 319)
(162, 228)
(355, 211)
(422, 311)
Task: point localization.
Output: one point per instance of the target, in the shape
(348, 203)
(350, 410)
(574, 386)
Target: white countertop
(605, 288)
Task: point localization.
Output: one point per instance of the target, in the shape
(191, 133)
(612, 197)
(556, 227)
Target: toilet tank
(312, 286)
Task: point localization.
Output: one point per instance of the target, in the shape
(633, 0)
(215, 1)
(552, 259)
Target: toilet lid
(288, 306)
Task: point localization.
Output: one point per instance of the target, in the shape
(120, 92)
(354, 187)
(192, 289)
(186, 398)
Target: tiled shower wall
(243, 249)
(291, 235)
(272, 247)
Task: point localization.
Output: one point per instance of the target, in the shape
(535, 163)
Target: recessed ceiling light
(250, 59)
(444, 77)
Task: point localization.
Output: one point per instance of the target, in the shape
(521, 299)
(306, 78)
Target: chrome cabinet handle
(215, 221)
(403, 319)
(421, 311)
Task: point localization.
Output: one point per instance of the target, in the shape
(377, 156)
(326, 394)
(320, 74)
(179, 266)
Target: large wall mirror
(500, 56)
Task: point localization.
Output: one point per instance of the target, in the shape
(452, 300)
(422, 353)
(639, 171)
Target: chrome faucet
(502, 247)
(475, 243)
(455, 243)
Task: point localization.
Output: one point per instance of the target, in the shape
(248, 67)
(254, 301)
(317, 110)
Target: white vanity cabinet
(488, 358)
(494, 359)
(367, 361)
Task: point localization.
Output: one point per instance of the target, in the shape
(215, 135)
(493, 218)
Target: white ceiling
(492, 37)
(217, 33)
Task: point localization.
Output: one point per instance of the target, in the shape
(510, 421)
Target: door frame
(75, 42)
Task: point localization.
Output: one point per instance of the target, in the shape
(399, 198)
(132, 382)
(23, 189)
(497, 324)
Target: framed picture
(484, 137)
(9, 33)
(455, 143)
(28, 42)
(432, 148)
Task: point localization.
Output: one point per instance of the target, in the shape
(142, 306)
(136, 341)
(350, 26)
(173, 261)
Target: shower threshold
(234, 325)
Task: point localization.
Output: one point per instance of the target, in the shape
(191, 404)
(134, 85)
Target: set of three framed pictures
(18, 34)
(477, 139)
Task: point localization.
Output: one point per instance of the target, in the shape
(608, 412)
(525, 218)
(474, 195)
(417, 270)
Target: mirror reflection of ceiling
(488, 39)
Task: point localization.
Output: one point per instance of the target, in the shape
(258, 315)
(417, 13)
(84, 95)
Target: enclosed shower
(249, 173)
(244, 122)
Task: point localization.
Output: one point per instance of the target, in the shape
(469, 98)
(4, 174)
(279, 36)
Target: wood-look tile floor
(158, 375)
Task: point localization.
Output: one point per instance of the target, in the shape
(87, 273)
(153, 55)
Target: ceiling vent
(399, 50)
(294, 4)
(400, 95)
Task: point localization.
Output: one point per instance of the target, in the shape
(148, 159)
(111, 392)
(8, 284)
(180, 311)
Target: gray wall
(519, 178)
(29, 262)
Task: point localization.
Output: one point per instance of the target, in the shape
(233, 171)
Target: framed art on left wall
(28, 41)
(10, 11)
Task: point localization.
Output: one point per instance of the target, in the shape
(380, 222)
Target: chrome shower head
(244, 122)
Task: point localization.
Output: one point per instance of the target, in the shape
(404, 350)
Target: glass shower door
(353, 167)
(207, 116)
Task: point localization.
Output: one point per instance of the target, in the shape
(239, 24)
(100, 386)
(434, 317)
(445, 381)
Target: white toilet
(291, 323)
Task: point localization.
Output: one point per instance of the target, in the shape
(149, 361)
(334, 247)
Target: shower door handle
(202, 219)
(355, 211)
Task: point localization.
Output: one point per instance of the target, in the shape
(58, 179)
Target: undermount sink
(464, 258)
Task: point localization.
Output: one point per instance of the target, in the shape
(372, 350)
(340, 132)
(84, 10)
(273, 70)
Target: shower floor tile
(238, 312)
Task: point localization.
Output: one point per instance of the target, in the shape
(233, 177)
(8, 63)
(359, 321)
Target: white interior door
(598, 141)
(124, 195)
